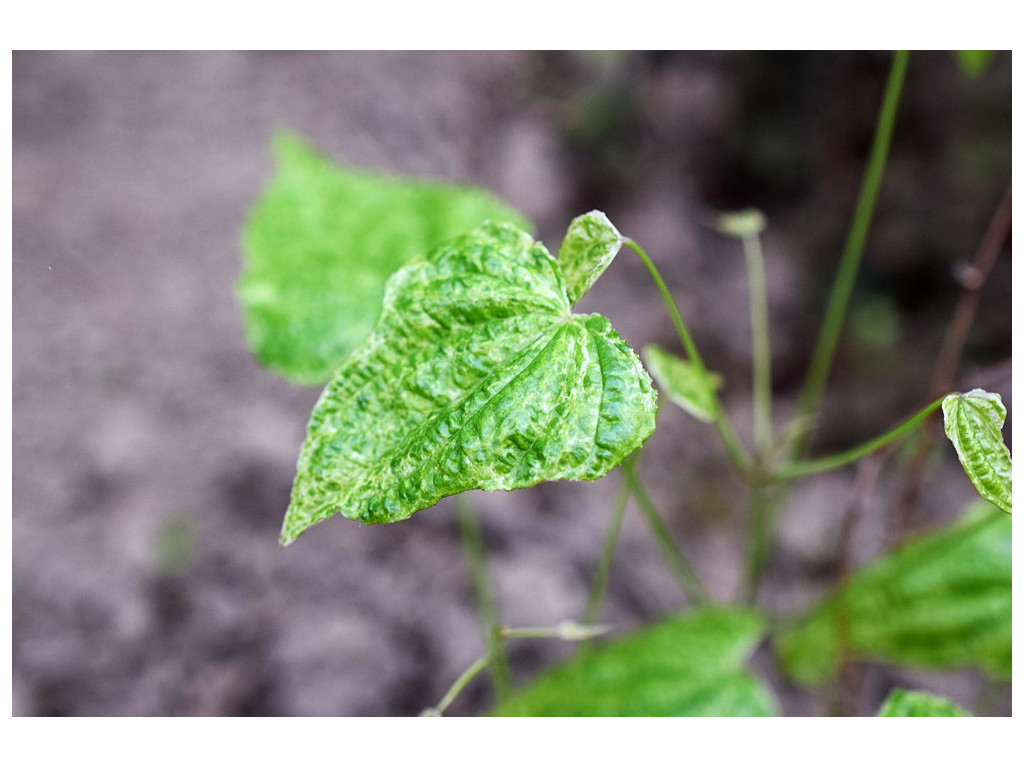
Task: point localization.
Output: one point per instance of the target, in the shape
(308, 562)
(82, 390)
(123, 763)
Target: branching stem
(733, 446)
(827, 463)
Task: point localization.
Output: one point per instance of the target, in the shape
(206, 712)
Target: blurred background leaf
(322, 240)
(919, 704)
(941, 602)
(691, 665)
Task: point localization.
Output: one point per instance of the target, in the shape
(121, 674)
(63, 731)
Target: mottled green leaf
(974, 63)
(688, 666)
(588, 248)
(683, 382)
(320, 243)
(941, 602)
(919, 704)
(974, 423)
(477, 375)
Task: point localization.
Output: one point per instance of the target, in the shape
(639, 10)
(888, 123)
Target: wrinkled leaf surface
(689, 666)
(589, 247)
(974, 423)
(319, 245)
(477, 375)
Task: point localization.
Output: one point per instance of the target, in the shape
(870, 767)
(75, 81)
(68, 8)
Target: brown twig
(948, 361)
(850, 677)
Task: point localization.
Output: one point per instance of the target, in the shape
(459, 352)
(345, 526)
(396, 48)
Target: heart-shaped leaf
(901, 703)
(942, 602)
(974, 423)
(689, 666)
(477, 375)
(321, 242)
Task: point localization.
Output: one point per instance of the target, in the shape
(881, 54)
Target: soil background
(152, 457)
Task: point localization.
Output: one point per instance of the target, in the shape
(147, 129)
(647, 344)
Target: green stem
(487, 606)
(842, 289)
(733, 447)
(827, 463)
(604, 565)
(569, 631)
(761, 344)
(680, 566)
(464, 679)
(757, 549)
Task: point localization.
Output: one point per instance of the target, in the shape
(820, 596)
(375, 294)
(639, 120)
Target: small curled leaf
(588, 248)
(683, 382)
(974, 423)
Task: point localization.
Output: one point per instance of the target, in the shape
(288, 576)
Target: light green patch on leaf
(477, 375)
(903, 703)
(320, 243)
(974, 63)
(941, 602)
(683, 382)
(588, 248)
(974, 423)
(691, 665)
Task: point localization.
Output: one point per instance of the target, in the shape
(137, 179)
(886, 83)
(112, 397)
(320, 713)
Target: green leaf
(683, 382)
(319, 245)
(974, 63)
(941, 602)
(974, 423)
(903, 703)
(477, 375)
(688, 666)
(588, 248)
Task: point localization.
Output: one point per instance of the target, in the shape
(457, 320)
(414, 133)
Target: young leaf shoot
(974, 423)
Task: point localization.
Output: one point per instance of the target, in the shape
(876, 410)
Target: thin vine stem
(464, 679)
(687, 577)
(737, 453)
(758, 543)
(762, 352)
(569, 631)
(842, 288)
(604, 565)
(487, 606)
(828, 463)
